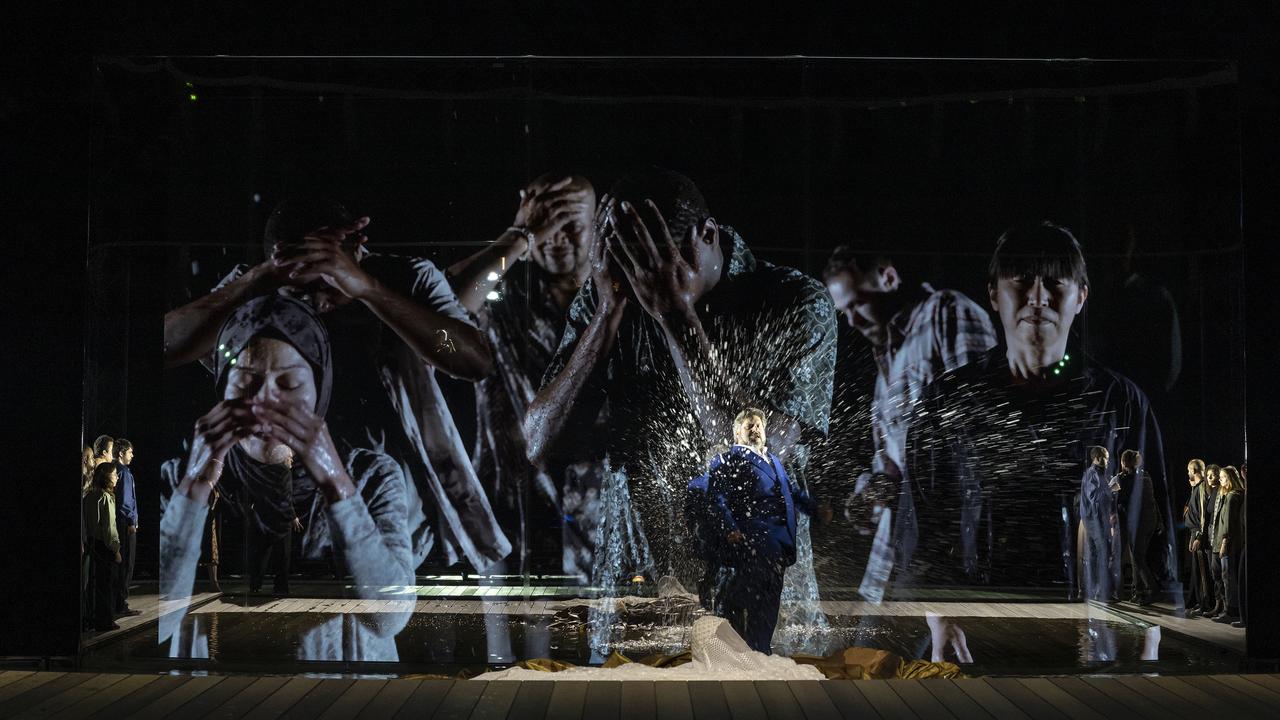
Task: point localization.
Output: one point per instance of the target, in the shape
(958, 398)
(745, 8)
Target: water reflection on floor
(470, 635)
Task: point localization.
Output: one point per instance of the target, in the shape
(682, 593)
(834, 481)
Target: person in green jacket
(98, 515)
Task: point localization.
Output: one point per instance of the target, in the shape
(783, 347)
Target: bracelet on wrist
(523, 230)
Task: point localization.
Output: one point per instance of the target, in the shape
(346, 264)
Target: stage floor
(451, 634)
(25, 694)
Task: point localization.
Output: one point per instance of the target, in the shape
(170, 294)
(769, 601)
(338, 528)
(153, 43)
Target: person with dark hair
(1139, 523)
(995, 451)
(1226, 540)
(103, 449)
(1099, 521)
(1209, 556)
(275, 373)
(1200, 592)
(522, 307)
(754, 508)
(98, 519)
(393, 321)
(677, 327)
(916, 334)
(126, 524)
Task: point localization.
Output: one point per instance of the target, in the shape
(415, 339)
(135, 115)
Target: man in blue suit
(755, 505)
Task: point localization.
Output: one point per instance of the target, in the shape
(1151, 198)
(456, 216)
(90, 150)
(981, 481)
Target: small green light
(1066, 357)
(223, 346)
(192, 96)
(226, 354)
(233, 361)
(1056, 371)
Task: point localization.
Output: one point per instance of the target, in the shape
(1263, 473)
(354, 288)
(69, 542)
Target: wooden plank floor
(26, 694)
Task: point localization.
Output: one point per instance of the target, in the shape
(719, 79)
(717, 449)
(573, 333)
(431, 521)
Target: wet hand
(226, 424)
(327, 254)
(544, 210)
(307, 435)
(607, 279)
(664, 283)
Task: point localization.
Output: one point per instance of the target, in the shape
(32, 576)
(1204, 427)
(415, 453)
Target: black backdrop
(46, 120)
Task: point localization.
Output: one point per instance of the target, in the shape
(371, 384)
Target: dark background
(926, 160)
(51, 136)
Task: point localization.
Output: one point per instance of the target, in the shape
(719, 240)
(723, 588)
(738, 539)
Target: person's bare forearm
(557, 402)
(714, 398)
(444, 342)
(470, 277)
(191, 330)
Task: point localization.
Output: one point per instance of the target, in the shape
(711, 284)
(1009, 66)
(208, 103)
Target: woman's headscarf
(263, 493)
(285, 319)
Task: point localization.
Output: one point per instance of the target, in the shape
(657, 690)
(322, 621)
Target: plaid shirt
(945, 331)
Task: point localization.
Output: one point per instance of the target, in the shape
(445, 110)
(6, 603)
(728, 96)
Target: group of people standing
(108, 532)
(1215, 521)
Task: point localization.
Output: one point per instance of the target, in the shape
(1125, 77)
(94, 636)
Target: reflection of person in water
(678, 327)
(916, 333)
(995, 450)
(522, 308)
(275, 372)
(756, 504)
(393, 321)
(1098, 522)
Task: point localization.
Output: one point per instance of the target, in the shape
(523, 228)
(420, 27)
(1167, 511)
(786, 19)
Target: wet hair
(845, 257)
(1130, 458)
(122, 446)
(1230, 480)
(1040, 250)
(293, 218)
(100, 445)
(1196, 465)
(557, 174)
(677, 197)
(748, 413)
(1097, 453)
(102, 474)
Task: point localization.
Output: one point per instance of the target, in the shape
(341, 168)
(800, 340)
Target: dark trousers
(750, 603)
(1215, 571)
(102, 578)
(1242, 572)
(1200, 584)
(1230, 584)
(124, 569)
(262, 550)
(1144, 583)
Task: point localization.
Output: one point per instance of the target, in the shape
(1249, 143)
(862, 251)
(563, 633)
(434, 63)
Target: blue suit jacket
(756, 497)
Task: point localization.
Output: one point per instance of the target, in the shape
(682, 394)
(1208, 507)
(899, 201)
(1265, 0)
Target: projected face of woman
(270, 369)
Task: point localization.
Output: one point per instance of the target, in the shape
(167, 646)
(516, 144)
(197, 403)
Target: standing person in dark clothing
(755, 505)
(1242, 560)
(1227, 539)
(971, 518)
(98, 516)
(677, 327)
(393, 322)
(522, 307)
(1135, 500)
(1209, 555)
(1098, 516)
(126, 524)
(1201, 594)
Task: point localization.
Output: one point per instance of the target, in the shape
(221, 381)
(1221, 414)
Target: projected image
(591, 366)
